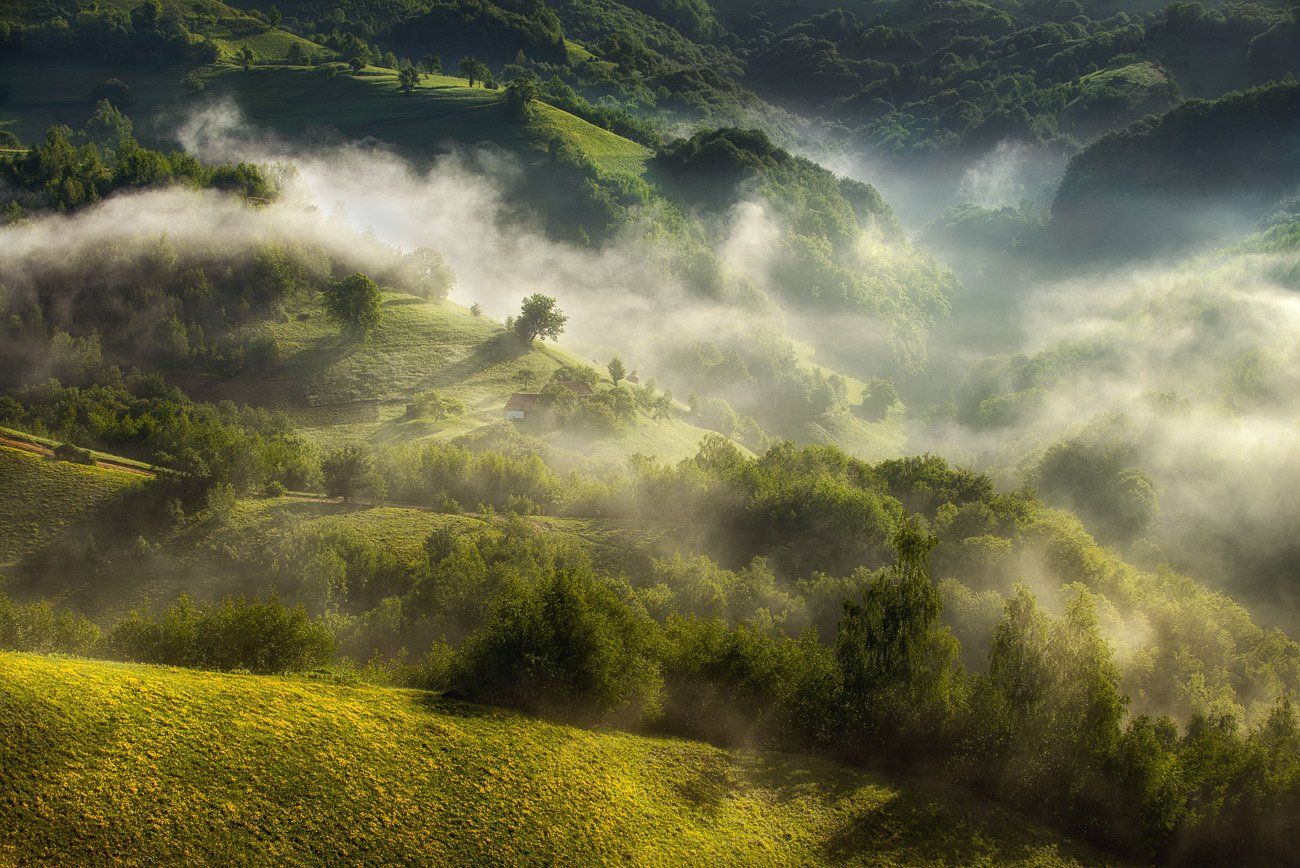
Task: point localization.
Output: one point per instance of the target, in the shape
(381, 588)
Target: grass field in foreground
(111, 762)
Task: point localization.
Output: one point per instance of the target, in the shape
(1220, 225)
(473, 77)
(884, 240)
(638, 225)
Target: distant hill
(1204, 169)
(172, 765)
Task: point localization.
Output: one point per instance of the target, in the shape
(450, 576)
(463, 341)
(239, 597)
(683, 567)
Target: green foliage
(60, 175)
(616, 370)
(264, 637)
(356, 304)
(567, 645)
(433, 473)
(433, 405)
(423, 272)
(1135, 191)
(349, 471)
(520, 93)
(474, 70)
(42, 628)
(149, 35)
(877, 399)
(1102, 485)
(408, 78)
(148, 420)
(74, 454)
(539, 317)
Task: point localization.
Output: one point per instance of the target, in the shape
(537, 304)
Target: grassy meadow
(44, 498)
(152, 765)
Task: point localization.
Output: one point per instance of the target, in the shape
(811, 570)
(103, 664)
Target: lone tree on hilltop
(356, 304)
(539, 317)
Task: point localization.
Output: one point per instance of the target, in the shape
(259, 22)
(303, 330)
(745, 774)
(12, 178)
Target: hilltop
(171, 765)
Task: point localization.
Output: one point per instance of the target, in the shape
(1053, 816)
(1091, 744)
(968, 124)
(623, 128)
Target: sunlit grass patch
(110, 761)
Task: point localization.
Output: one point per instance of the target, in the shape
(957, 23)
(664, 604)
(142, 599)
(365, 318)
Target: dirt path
(46, 451)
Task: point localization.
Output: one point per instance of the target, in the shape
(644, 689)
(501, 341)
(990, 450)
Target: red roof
(522, 401)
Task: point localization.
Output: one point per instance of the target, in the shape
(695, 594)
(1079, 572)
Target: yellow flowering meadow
(104, 762)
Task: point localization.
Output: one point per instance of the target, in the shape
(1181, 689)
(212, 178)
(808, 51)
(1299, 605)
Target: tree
(274, 16)
(881, 633)
(520, 93)
(145, 17)
(246, 57)
(616, 370)
(296, 55)
(432, 64)
(664, 407)
(107, 127)
(356, 304)
(349, 471)
(539, 318)
(472, 69)
(565, 643)
(408, 78)
(423, 272)
(879, 397)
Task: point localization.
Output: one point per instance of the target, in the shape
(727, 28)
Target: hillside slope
(306, 103)
(335, 390)
(43, 498)
(171, 765)
(1202, 171)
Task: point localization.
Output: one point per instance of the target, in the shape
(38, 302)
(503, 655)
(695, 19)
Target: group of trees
(149, 34)
(262, 636)
(143, 417)
(61, 174)
(919, 80)
(833, 638)
(1045, 727)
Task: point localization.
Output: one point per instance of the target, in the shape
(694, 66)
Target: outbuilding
(520, 405)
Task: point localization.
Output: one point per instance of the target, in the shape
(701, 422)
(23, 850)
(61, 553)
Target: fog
(1188, 365)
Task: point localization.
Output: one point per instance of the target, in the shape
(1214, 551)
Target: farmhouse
(520, 405)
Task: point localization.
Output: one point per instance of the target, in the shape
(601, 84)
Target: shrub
(262, 637)
(74, 454)
(567, 645)
(44, 629)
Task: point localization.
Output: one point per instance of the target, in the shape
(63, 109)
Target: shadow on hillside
(452, 704)
(901, 825)
(503, 347)
(322, 354)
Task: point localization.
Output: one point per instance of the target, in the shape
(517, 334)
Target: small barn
(521, 405)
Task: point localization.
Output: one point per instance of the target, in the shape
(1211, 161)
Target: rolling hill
(103, 760)
(306, 102)
(338, 391)
(44, 498)
(1206, 169)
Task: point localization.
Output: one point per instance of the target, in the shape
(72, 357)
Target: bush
(41, 628)
(263, 637)
(566, 645)
(74, 454)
